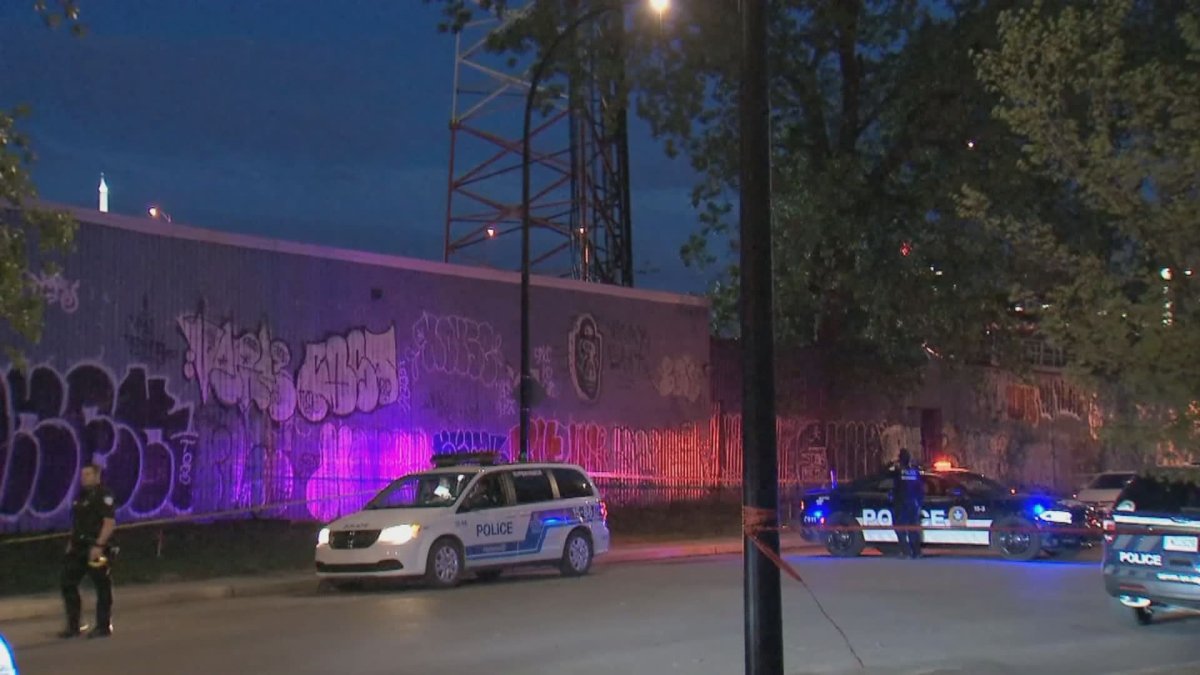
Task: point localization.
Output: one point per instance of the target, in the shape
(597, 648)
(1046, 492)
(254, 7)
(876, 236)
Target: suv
(1151, 557)
(469, 514)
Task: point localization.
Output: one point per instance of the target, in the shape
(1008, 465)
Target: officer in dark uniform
(908, 493)
(89, 553)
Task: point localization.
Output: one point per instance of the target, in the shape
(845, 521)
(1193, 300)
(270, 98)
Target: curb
(148, 595)
(617, 557)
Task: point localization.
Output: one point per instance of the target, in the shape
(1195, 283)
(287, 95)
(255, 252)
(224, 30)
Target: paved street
(950, 613)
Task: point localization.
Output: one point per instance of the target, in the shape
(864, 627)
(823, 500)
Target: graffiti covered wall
(211, 372)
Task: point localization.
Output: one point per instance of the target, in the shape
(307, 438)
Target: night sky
(308, 120)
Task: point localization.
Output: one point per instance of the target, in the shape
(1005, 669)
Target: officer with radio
(90, 552)
(908, 494)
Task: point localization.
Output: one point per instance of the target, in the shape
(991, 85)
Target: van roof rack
(481, 458)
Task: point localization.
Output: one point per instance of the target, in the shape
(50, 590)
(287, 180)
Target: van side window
(532, 486)
(572, 484)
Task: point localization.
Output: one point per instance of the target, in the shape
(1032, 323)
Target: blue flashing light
(8, 659)
(818, 513)
(1038, 509)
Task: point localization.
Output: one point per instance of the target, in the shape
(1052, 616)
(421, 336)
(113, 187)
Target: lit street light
(158, 214)
(536, 75)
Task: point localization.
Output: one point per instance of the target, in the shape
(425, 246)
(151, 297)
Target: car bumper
(377, 560)
(1178, 588)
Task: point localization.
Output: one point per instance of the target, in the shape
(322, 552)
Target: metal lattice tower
(579, 201)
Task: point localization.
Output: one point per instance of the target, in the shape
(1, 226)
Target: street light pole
(760, 474)
(535, 78)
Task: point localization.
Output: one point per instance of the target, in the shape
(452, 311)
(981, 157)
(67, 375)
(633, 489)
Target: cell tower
(579, 190)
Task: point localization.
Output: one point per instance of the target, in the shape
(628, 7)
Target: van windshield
(421, 490)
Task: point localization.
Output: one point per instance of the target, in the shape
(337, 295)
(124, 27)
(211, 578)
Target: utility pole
(760, 473)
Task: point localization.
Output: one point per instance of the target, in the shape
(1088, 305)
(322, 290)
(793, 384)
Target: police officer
(908, 493)
(92, 523)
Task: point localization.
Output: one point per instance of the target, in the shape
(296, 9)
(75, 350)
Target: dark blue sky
(291, 119)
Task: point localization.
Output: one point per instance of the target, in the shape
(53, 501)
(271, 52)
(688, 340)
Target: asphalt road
(944, 614)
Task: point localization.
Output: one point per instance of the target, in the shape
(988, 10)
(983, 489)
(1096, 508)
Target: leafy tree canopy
(878, 119)
(1103, 97)
(29, 235)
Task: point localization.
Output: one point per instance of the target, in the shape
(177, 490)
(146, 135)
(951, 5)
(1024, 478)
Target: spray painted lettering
(54, 423)
(343, 375)
(242, 370)
(56, 290)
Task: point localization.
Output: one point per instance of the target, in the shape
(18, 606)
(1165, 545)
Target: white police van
(469, 515)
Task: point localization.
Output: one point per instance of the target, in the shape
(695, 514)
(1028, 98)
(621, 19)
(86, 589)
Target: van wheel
(847, 543)
(489, 574)
(444, 567)
(1143, 616)
(1017, 538)
(577, 555)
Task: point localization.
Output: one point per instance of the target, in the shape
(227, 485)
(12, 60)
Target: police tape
(758, 521)
(192, 517)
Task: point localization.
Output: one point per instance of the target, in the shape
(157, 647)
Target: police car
(961, 508)
(1151, 554)
(469, 514)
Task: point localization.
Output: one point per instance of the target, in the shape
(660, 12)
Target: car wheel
(491, 574)
(444, 567)
(1143, 616)
(844, 543)
(1016, 538)
(577, 555)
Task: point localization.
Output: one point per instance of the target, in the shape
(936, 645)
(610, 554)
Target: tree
(29, 236)
(878, 119)
(1103, 96)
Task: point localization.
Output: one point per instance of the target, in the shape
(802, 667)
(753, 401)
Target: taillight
(1110, 530)
(604, 511)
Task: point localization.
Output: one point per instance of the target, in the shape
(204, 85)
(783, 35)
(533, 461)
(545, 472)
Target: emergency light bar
(466, 458)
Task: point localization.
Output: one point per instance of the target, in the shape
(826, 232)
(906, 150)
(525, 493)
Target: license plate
(1184, 544)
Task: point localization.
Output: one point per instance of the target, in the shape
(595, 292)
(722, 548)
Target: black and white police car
(1152, 543)
(961, 508)
(469, 514)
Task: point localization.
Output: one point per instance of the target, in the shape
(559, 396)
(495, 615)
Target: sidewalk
(48, 605)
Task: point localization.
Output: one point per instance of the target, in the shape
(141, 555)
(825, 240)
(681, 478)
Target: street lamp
(157, 213)
(539, 71)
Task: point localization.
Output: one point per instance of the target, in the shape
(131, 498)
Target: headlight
(1056, 516)
(399, 534)
(323, 537)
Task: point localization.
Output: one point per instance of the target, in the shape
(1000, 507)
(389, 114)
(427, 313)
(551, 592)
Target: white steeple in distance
(103, 195)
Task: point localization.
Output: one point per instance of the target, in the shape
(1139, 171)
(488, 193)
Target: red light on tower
(905, 249)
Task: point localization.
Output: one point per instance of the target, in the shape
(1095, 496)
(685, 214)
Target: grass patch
(195, 551)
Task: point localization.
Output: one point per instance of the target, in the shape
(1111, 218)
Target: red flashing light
(943, 465)
(905, 249)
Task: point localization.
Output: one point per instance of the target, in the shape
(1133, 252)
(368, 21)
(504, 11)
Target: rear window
(1160, 495)
(1110, 481)
(571, 484)
(532, 486)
